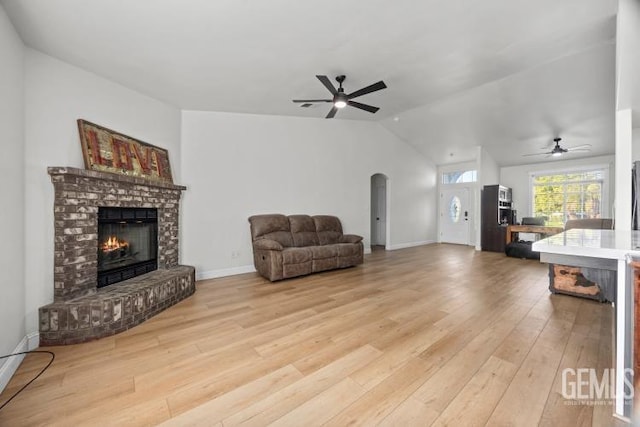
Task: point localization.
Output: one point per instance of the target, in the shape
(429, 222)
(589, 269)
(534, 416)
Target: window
(459, 177)
(561, 196)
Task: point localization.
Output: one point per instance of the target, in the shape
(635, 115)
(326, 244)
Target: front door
(454, 216)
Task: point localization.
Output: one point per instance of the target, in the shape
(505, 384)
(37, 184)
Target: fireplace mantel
(113, 177)
(80, 311)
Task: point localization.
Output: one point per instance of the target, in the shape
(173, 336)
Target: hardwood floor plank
(202, 389)
(172, 376)
(420, 337)
(320, 409)
(411, 412)
(581, 352)
(532, 383)
(602, 414)
(437, 334)
(378, 402)
(214, 410)
(281, 402)
(118, 412)
(63, 403)
(442, 387)
(473, 405)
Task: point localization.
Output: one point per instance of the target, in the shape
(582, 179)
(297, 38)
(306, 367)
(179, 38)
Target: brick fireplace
(81, 311)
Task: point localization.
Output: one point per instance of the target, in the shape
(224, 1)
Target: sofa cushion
(349, 261)
(326, 251)
(303, 230)
(294, 270)
(267, 245)
(271, 226)
(328, 228)
(324, 264)
(296, 255)
(347, 249)
(350, 238)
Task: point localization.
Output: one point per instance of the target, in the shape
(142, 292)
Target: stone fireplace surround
(80, 311)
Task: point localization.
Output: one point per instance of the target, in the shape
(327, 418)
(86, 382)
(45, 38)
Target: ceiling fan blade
(580, 150)
(332, 113)
(312, 100)
(327, 83)
(364, 107)
(535, 154)
(580, 147)
(365, 90)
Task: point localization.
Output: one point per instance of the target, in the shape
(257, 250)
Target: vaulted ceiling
(506, 74)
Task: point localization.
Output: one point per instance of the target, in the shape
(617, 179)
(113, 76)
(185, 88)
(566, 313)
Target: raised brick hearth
(80, 311)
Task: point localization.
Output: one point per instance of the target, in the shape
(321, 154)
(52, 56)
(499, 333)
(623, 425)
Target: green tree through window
(563, 196)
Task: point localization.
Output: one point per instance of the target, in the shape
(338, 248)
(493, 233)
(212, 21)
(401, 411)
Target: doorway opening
(379, 211)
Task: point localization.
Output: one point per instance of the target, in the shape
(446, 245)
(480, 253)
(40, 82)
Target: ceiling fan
(558, 151)
(341, 99)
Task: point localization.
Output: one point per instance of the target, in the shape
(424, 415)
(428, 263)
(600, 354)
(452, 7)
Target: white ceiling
(505, 74)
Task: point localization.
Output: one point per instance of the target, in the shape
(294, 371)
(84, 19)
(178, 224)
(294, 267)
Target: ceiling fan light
(340, 99)
(556, 154)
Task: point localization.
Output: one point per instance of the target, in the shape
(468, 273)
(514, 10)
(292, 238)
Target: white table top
(608, 244)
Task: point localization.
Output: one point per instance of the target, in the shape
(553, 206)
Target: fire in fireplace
(127, 243)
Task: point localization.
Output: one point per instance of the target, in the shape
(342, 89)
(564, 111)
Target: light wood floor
(434, 335)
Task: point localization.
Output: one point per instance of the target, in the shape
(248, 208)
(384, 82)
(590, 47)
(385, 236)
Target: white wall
(238, 165)
(624, 156)
(488, 174)
(57, 94)
(628, 55)
(636, 142)
(489, 171)
(627, 97)
(517, 177)
(12, 307)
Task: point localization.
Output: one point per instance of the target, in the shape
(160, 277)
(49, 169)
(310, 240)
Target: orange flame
(113, 243)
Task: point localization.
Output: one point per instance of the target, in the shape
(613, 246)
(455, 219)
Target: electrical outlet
(235, 254)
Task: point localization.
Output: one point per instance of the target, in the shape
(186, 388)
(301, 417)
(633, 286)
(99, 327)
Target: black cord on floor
(53, 356)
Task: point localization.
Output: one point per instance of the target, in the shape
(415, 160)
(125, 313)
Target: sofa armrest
(350, 238)
(267, 244)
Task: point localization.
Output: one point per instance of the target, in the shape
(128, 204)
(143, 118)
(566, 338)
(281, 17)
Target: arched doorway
(379, 211)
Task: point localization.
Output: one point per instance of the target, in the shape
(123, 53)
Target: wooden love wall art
(109, 151)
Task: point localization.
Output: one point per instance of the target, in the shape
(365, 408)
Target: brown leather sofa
(296, 245)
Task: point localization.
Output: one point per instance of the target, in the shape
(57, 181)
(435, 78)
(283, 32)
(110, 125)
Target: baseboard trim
(11, 364)
(409, 245)
(33, 340)
(213, 274)
(224, 272)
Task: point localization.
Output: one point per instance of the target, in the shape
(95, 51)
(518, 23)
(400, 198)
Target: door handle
(377, 219)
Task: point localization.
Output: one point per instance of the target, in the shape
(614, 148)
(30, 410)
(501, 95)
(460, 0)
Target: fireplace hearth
(116, 242)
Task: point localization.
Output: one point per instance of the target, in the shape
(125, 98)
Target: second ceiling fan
(558, 151)
(341, 99)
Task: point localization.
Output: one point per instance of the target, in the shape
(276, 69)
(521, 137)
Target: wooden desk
(539, 229)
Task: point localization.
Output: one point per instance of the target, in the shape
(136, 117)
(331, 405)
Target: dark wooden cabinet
(496, 215)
